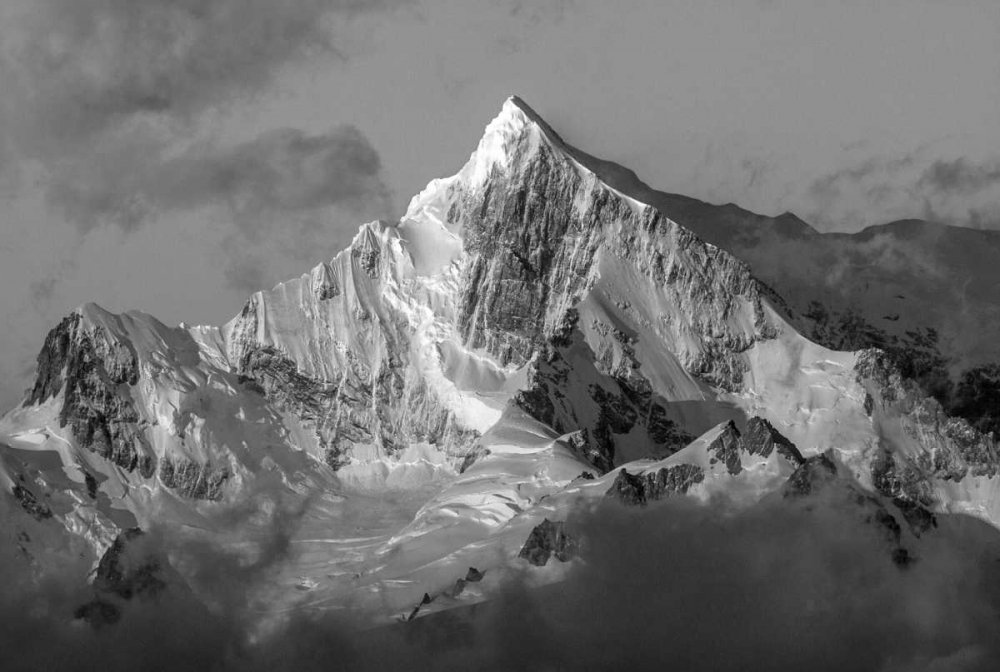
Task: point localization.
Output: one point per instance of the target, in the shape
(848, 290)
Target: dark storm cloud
(281, 171)
(679, 585)
(961, 176)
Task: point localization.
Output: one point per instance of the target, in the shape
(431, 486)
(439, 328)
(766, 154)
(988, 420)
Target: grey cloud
(961, 176)
(782, 585)
(832, 184)
(85, 66)
(986, 217)
(880, 188)
(111, 99)
(281, 171)
(284, 170)
(40, 291)
(778, 586)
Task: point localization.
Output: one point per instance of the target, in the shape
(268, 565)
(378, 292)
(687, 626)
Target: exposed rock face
(193, 480)
(472, 576)
(761, 438)
(548, 539)
(127, 570)
(618, 400)
(629, 489)
(819, 474)
(950, 447)
(938, 447)
(813, 475)
(28, 502)
(355, 382)
(909, 490)
(325, 284)
(95, 370)
(638, 490)
(536, 228)
(726, 448)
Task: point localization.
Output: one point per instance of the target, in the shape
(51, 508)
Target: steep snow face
(358, 348)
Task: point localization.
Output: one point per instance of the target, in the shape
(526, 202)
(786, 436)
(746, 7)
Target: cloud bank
(806, 585)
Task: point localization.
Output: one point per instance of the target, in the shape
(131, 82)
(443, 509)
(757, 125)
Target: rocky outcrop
(381, 400)
(761, 438)
(193, 480)
(325, 284)
(472, 576)
(629, 489)
(907, 487)
(640, 489)
(93, 370)
(819, 474)
(726, 449)
(572, 389)
(130, 569)
(28, 502)
(938, 447)
(548, 539)
(812, 475)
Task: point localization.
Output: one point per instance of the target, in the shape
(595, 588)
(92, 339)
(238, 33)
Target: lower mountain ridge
(441, 405)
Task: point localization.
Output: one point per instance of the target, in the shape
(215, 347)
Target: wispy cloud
(877, 189)
(960, 176)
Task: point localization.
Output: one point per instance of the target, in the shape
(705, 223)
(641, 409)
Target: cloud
(961, 176)
(86, 66)
(778, 586)
(280, 171)
(878, 189)
(833, 185)
(783, 585)
(114, 102)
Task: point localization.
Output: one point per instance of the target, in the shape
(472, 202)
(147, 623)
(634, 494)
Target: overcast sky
(174, 155)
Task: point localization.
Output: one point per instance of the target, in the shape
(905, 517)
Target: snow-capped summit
(529, 320)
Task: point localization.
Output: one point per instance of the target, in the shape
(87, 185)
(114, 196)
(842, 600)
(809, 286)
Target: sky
(175, 155)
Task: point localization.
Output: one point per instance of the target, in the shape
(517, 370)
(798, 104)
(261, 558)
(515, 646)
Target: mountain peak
(516, 104)
(516, 123)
